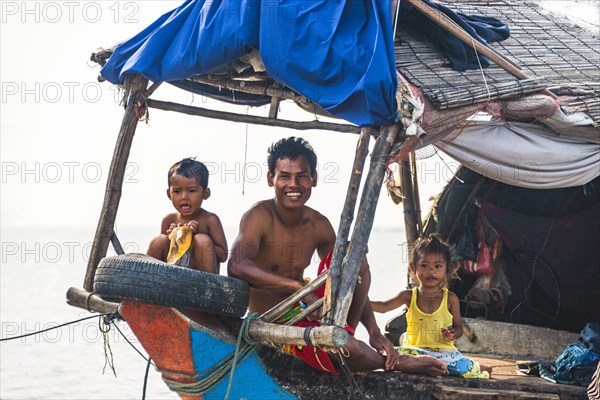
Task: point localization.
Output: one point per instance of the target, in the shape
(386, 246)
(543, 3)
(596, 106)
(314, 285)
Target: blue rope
(249, 343)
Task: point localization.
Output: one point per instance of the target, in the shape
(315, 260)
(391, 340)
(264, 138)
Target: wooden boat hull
(178, 344)
(190, 342)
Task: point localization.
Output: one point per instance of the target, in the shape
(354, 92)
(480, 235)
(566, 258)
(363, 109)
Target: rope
(131, 344)
(487, 88)
(146, 379)
(148, 359)
(104, 327)
(209, 379)
(355, 391)
(58, 326)
(104, 322)
(251, 343)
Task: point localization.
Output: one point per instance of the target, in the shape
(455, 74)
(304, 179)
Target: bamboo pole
(251, 119)
(319, 336)
(306, 312)
(341, 240)
(281, 308)
(364, 223)
(114, 183)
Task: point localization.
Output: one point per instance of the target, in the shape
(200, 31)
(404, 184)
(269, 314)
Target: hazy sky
(59, 125)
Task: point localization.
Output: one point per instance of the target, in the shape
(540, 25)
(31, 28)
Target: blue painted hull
(191, 344)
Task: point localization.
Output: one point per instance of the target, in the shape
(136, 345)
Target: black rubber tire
(143, 278)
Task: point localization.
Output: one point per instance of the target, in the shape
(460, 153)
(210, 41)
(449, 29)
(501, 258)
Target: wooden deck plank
(442, 392)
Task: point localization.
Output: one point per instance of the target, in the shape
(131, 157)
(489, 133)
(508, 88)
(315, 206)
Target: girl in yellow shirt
(433, 317)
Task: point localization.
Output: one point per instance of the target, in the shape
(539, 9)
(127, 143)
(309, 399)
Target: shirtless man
(276, 241)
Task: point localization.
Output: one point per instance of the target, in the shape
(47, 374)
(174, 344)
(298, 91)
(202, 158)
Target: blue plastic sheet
(337, 53)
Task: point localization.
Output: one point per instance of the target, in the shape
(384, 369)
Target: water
(38, 266)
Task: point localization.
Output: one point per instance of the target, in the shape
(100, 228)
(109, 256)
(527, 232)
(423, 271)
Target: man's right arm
(243, 262)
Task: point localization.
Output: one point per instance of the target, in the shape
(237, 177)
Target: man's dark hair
(190, 168)
(292, 148)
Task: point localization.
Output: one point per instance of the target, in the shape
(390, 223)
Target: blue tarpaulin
(337, 53)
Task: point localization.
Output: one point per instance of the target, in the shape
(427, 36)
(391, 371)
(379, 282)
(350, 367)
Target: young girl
(433, 317)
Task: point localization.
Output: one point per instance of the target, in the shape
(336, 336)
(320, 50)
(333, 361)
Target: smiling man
(275, 244)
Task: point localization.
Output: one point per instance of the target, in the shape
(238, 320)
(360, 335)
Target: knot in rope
(113, 316)
(244, 329)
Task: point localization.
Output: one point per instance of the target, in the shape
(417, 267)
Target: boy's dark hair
(292, 148)
(190, 168)
(435, 244)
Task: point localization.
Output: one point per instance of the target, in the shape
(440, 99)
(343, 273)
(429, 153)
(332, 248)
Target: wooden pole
(112, 195)
(364, 223)
(417, 198)
(116, 243)
(408, 203)
(320, 336)
(253, 87)
(448, 25)
(306, 312)
(281, 308)
(274, 110)
(89, 301)
(341, 240)
(325, 336)
(250, 119)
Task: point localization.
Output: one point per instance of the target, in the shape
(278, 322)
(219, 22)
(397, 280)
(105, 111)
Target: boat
(540, 85)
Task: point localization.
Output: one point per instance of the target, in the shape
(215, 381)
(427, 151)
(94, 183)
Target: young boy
(188, 188)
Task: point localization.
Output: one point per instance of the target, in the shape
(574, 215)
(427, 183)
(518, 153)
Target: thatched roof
(555, 54)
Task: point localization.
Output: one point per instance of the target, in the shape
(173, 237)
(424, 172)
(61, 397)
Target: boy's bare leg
(159, 247)
(204, 257)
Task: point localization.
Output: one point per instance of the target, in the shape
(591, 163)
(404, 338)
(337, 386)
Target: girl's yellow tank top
(423, 329)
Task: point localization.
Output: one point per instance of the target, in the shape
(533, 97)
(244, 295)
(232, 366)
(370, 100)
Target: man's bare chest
(287, 249)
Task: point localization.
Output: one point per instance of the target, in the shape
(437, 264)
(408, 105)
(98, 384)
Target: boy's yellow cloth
(181, 241)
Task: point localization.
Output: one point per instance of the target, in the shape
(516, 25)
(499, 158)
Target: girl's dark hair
(190, 168)
(435, 244)
(292, 148)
